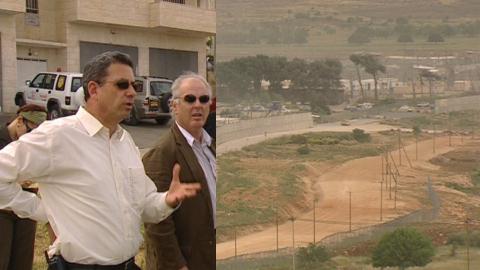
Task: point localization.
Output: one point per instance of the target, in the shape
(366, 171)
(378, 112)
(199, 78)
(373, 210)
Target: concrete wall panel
(259, 126)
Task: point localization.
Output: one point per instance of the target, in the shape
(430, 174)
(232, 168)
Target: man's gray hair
(187, 76)
(96, 69)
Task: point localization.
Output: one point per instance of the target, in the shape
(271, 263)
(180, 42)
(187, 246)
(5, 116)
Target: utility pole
(395, 197)
(314, 220)
(449, 131)
(381, 201)
(416, 146)
(434, 133)
(468, 243)
(235, 236)
(399, 149)
(293, 243)
(350, 212)
(276, 221)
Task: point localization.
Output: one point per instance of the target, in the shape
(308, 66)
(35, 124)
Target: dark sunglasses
(192, 98)
(124, 84)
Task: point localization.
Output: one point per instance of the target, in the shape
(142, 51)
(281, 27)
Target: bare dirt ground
(362, 178)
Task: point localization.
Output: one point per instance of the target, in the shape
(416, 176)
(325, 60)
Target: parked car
(405, 108)
(345, 123)
(53, 91)
(59, 94)
(152, 101)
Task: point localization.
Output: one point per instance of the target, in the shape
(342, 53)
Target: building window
(176, 1)
(32, 6)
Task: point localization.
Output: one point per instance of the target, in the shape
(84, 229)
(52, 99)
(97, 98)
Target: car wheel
(132, 119)
(162, 120)
(54, 112)
(19, 100)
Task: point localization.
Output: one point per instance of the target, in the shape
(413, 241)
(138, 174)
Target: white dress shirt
(93, 188)
(207, 161)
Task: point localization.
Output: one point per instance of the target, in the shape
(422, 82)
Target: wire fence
(281, 255)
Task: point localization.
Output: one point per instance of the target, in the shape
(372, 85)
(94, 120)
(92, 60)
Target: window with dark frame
(176, 1)
(32, 6)
(76, 83)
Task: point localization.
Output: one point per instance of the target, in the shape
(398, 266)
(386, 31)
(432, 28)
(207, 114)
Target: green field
(265, 179)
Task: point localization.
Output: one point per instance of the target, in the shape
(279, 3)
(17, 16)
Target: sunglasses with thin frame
(192, 98)
(124, 84)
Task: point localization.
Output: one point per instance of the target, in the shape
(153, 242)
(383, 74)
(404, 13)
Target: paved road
(147, 133)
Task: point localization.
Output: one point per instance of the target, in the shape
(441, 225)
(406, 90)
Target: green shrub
(405, 38)
(304, 150)
(312, 256)
(460, 239)
(403, 248)
(476, 178)
(298, 139)
(416, 130)
(360, 136)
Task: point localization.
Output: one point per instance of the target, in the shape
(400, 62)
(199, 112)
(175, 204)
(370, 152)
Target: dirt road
(362, 178)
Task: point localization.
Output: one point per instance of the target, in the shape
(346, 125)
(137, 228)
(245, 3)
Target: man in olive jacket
(186, 239)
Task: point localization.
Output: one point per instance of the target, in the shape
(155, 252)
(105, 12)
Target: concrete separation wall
(457, 104)
(248, 128)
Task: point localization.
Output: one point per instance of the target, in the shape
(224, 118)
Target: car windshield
(158, 88)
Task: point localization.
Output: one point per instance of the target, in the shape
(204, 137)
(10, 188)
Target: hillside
(313, 29)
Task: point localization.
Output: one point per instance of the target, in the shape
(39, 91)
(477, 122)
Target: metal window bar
(32, 6)
(176, 1)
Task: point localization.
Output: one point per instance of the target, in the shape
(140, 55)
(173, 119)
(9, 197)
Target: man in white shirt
(186, 239)
(94, 191)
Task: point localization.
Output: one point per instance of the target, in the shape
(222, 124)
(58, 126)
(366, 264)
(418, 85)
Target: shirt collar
(190, 139)
(93, 126)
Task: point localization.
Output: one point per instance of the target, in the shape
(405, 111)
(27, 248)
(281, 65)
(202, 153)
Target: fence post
(468, 243)
(293, 242)
(381, 201)
(276, 221)
(399, 149)
(434, 134)
(416, 146)
(235, 236)
(314, 220)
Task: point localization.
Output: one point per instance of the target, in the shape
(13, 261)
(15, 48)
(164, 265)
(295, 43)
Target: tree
(356, 60)
(405, 247)
(430, 76)
(371, 65)
(435, 37)
(403, 38)
(361, 35)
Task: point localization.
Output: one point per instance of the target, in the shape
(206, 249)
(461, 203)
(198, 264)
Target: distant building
(163, 38)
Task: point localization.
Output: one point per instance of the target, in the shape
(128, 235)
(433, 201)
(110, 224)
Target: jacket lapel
(193, 165)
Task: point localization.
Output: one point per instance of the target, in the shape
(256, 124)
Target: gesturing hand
(178, 191)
